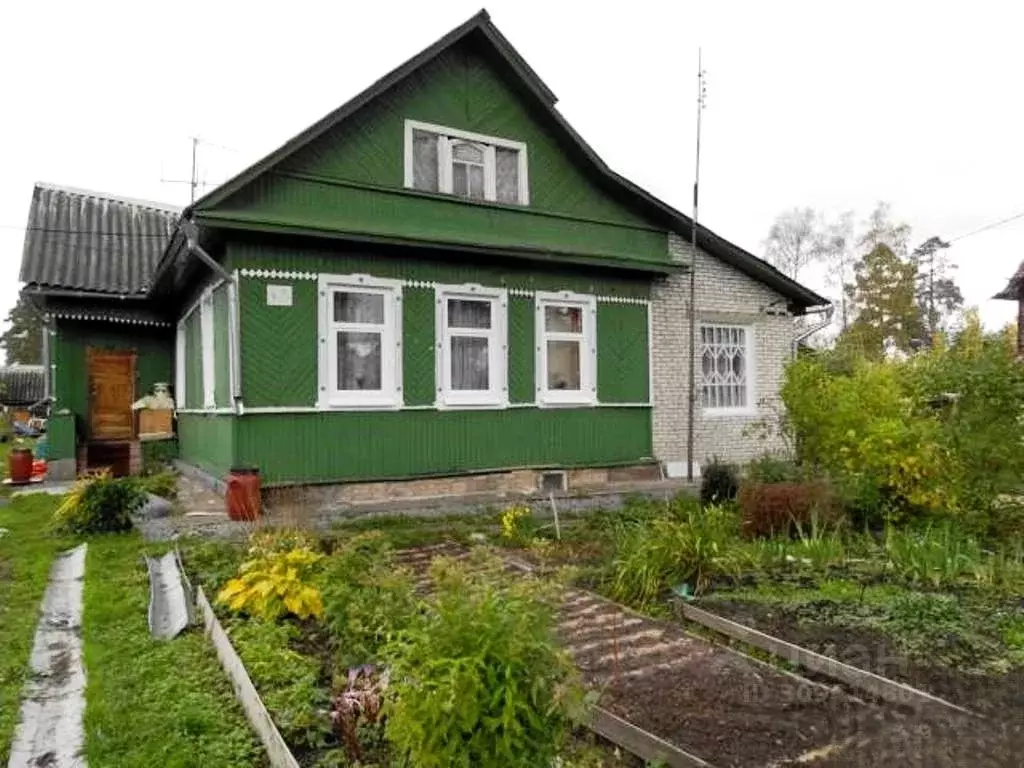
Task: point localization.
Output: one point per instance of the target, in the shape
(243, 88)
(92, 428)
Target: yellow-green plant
(276, 584)
(512, 520)
(71, 500)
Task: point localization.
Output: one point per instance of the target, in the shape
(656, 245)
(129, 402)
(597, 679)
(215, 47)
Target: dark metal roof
(22, 384)
(1014, 290)
(88, 241)
(107, 310)
(480, 25)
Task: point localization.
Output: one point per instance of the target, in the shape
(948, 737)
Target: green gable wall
(153, 348)
(351, 178)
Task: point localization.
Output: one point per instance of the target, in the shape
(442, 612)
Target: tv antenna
(193, 180)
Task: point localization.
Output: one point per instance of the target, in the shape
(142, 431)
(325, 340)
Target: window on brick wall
(726, 368)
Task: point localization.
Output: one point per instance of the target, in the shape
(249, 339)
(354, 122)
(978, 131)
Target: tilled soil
(990, 695)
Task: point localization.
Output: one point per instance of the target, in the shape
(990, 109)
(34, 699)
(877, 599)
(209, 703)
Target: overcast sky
(809, 104)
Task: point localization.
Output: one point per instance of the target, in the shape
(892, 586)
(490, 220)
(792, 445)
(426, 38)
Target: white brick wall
(726, 295)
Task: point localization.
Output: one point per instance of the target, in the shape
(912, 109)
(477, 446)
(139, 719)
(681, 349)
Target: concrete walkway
(50, 732)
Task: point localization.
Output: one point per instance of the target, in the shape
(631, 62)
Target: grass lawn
(25, 557)
(148, 703)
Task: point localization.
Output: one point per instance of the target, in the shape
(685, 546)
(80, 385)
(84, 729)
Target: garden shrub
(100, 504)
(163, 483)
(276, 584)
(654, 556)
(288, 681)
(770, 509)
(478, 679)
(719, 482)
(367, 599)
(771, 468)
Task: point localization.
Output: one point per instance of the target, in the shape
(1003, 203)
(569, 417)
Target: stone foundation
(494, 487)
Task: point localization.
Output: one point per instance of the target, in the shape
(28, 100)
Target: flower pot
(19, 465)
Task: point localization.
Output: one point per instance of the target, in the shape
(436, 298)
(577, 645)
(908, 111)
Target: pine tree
(23, 340)
(883, 293)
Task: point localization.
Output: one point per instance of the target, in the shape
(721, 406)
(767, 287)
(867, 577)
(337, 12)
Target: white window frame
(445, 137)
(750, 369)
(496, 396)
(179, 365)
(209, 359)
(587, 393)
(389, 397)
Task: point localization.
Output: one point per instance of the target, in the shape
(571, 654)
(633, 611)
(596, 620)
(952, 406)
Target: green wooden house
(439, 283)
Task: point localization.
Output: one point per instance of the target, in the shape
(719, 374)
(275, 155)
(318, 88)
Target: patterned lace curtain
(469, 354)
(424, 161)
(506, 163)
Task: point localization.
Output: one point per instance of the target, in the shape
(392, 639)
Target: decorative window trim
(750, 370)
(444, 180)
(497, 395)
(390, 395)
(206, 334)
(586, 395)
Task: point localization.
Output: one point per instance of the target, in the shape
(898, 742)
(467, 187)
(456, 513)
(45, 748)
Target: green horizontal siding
(207, 441)
(463, 89)
(311, 205)
(347, 446)
(623, 375)
(154, 354)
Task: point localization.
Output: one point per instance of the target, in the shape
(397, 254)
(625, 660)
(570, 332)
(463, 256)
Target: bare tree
(792, 240)
(835, 244)
(880, 229)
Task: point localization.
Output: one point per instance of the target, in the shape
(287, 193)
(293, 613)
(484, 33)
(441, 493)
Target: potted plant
(19, 462)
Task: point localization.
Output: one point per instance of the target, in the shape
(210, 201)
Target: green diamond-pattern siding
(521, 355)
(419, 353)
(351, 178)
(279, 345)
(623, 375)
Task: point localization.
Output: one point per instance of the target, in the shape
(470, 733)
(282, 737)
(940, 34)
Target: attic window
(439, 159)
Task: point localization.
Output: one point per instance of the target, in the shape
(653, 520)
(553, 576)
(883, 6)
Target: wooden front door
(111, 394)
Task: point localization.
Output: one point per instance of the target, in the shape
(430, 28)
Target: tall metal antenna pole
(194, 178)
(701, 97)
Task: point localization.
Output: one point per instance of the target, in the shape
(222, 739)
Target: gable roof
(21, 384)
(77, 240)
(480, 25)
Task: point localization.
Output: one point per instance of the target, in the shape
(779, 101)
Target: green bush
(367, 599)
(100, 504)
(770, 468)
(719, 482)
(654, 556)
(478, 678)
(288, 681)
(163, 484)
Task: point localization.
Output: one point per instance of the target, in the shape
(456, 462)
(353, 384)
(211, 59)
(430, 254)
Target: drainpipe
(829, 310)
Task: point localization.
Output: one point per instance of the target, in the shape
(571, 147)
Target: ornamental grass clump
(478, 680)
(99, 503)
